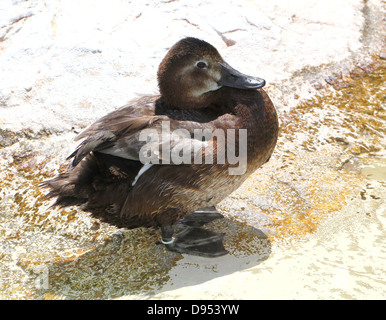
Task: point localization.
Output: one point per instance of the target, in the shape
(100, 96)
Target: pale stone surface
(65, 63)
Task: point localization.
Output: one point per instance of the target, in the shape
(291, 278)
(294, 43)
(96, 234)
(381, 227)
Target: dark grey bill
(232, 78)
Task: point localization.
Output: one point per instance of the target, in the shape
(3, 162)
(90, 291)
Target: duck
(166, 160)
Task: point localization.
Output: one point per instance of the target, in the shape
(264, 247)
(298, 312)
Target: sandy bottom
(343, 259)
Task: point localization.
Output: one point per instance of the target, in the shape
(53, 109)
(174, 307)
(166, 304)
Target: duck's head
(192, 72)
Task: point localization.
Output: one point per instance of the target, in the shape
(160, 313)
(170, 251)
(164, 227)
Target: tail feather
(74, 186)
(100, 180)
(101, 184)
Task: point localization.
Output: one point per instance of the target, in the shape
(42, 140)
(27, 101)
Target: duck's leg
(191, 239)
(167, 235)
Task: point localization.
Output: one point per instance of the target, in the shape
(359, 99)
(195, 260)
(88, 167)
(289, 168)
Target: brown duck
(166, 160)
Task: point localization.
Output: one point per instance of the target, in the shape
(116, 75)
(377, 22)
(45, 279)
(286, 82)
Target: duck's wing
(147, 138)
(106, 133)
(124, 118)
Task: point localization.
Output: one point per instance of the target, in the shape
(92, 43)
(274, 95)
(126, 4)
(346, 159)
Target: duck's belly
(212, 186)
(170, 194)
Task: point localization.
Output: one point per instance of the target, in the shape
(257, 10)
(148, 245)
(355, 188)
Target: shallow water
(330, 150)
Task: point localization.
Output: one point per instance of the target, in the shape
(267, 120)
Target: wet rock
(351, 164)
(69, 67)
(317, 85)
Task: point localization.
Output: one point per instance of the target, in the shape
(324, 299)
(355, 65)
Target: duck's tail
(74, 187)
(100, 183)
(99, 180)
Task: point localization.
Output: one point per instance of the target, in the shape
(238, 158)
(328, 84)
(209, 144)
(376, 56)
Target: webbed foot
(191, 239)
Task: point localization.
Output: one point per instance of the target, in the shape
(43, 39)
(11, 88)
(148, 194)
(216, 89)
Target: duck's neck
(206, 114)
(178, 99)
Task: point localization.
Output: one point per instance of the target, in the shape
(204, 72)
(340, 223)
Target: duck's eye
(201, 64)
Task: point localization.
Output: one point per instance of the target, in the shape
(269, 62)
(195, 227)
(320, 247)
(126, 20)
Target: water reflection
(130, 263)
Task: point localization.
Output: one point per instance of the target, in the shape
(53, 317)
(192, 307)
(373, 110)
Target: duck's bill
(232, 78)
